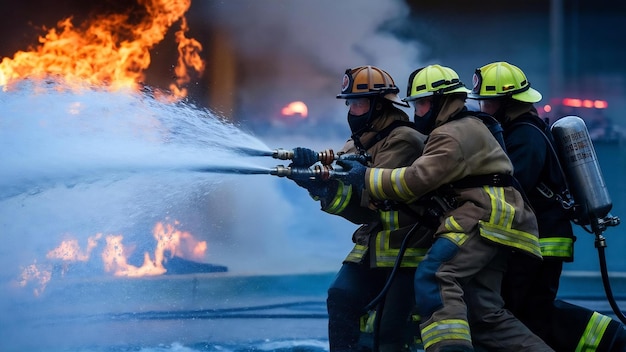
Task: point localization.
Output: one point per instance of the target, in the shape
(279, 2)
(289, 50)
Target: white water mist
(75, 164)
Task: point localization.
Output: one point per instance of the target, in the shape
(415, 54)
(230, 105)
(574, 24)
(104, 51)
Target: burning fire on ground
(111, 51)
(170, 243)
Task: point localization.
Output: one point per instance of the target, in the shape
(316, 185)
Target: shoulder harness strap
(563, 197)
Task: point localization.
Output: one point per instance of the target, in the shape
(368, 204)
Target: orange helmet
(368, 81)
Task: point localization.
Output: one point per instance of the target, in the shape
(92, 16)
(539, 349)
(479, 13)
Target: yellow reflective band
(446, 330)
(451, 225)
(386, 256)
(510, 237)
(357, 253)
(398, 183)
(558, 247)
(596, 327)
(457, 237)
(376, 183)
(502, 213)
(367, 322)
(411, 259)
(390, 220)
(341, 199)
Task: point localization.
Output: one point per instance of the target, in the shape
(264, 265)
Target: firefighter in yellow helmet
(530, 287)
(384, 134)
(488, 219)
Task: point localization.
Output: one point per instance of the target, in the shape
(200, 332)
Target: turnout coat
(500, 212)
(384, 225)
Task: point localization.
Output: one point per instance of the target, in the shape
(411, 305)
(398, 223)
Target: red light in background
(547, 108)
(572, 102)
(600, 104)
(586, 103)
(295, 107)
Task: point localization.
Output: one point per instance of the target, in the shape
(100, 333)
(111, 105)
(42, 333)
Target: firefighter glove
(318, 189)
(303, 157)
(353, 173)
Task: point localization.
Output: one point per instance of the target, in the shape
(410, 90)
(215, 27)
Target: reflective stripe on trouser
(451, 263)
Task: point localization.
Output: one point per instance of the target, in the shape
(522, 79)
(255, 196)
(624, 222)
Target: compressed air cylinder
(581, 167)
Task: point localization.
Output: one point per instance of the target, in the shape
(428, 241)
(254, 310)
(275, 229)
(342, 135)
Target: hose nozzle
(320, 172)
(326, 157)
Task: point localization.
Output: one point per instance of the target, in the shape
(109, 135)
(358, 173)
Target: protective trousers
(468, 268)
(530, 291)
(355, 286)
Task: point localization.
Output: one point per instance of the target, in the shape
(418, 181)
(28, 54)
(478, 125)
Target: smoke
(299, 50)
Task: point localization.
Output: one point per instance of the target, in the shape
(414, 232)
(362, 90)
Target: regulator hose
(601, 244)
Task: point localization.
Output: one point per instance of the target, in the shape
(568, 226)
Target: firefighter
(487, 221)
(382, 132)
(530, 287)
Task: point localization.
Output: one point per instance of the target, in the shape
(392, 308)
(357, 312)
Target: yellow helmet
(433, 80)
(367, 81)
(501, 79)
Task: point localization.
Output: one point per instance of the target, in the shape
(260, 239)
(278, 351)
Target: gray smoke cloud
(299, 50)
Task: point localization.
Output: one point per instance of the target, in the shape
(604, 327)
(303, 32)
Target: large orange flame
(111, 50)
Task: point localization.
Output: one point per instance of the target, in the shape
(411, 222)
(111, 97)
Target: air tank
(580, 164)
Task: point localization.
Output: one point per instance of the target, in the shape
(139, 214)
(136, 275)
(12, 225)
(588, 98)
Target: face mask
(361, 123)
(425, 124)
(358, 123)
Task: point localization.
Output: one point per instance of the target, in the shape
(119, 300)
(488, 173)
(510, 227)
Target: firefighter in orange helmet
(382, 132)
(530, 287)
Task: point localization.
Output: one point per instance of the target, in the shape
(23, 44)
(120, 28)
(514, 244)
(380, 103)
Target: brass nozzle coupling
(320, 172)
(282, 154)
(325, 157)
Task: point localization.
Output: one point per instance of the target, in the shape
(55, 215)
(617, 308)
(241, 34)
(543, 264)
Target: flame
(69, 250)
(181, 244)
(115, 255)
(110, 50)
(188, 56)
(40, 274)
